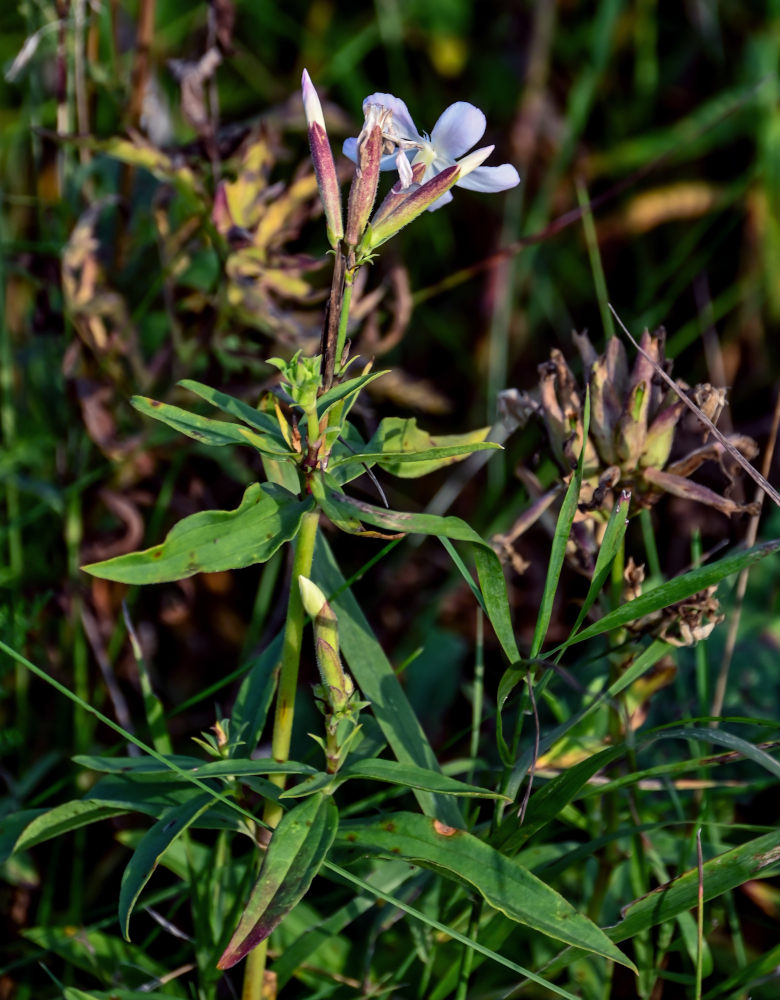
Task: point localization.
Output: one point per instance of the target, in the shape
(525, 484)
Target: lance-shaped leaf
(295, 854)
(757, 858)
(260, 421)
(412, 776)
(153, 845)
(214, 540)
(403, 449)
(502, 883)
(207, 430)
(345, 391)
(489, 569)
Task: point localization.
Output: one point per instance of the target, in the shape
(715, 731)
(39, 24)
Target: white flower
(457, 130)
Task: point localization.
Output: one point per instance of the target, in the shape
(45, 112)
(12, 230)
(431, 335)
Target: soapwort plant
(473, 869)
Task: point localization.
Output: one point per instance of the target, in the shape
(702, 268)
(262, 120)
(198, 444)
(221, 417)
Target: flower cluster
(459, 128)
(428, 166)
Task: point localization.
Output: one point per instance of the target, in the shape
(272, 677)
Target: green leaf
(71, 993)
(412, 776)
(550, 800)
(504, 884)
(139, 765)
(489, 569)
(559, 543)
(262, 422)
(297, 849)
(66, 817)
(207, 430)
(403, 449)
(344, 390)
(674, 590)
(234, 767)
(105, 956)
(377, 681)
(756, 859)
(725, 739)
(214, 540)
(147, 855)
(609, 548)
(12, 825)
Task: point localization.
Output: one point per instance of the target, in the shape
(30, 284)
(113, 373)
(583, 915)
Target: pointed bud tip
(311, 102)
(312, 597)
(474, 160)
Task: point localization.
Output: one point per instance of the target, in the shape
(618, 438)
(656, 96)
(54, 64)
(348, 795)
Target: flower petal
(445, 199)
(349, 149)
(458, 129)
(401, 118)
(491, 178)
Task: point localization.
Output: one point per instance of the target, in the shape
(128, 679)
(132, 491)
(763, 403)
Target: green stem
(254, 973)
(467, 955)
(349, 280)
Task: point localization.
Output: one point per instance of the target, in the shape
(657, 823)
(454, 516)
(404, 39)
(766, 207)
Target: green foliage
(505, 885)
(162, 229)
(212, 541)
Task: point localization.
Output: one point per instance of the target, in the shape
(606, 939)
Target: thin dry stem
(739, 596)
(738, 457)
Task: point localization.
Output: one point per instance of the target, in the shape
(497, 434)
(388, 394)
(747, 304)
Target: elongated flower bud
(362, 194)
(324, 164)
(387, 223)
(326, 644)
(412, 206)
(398, 194)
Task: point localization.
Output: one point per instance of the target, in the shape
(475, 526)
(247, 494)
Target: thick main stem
(291, 655)
(254, 972)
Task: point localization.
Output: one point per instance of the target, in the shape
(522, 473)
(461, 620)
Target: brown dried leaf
(678, 486)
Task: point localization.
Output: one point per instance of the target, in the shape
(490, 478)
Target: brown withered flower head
(634, 419)
(681, 624)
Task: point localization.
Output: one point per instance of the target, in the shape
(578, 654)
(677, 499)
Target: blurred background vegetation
(120, 121)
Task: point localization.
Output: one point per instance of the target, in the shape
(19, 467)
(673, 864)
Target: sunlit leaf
(214, 540)
(502, 883)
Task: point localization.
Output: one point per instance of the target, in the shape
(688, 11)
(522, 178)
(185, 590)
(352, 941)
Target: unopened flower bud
(362, 194)
(324, 164)
(412, 206)
(398, 194)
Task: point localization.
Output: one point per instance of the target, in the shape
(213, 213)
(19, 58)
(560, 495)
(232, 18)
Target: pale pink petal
(491, 178)
(459, 128)
(402, 120)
